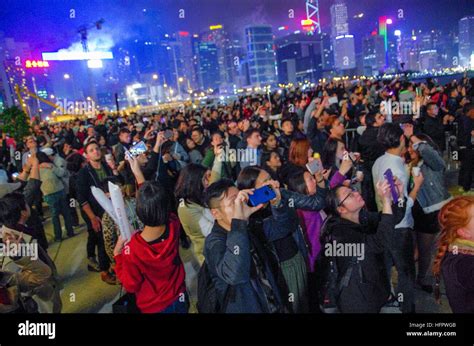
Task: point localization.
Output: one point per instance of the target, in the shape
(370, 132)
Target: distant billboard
(65, 56)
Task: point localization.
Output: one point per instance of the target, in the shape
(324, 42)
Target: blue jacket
(230, 262)
(433, 192)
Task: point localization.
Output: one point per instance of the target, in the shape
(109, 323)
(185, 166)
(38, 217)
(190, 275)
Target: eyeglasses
(348, 195)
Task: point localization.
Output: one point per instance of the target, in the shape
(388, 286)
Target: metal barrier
(450, 156)
(349, 136)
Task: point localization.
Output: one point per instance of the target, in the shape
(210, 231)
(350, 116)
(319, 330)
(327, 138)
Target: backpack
(330, 284)
(208, 297)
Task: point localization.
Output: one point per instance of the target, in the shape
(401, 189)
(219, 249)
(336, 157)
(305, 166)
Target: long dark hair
(430, 142)
(328, 155)
(189, 187)
(297, 183)
(42, 157)
(248, 177)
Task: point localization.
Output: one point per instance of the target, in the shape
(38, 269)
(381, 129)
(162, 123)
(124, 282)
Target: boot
(108, 278)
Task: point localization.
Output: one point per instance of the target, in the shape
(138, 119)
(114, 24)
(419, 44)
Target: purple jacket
(311, 223)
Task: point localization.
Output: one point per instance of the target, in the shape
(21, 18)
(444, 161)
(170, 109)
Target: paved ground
(84, 292)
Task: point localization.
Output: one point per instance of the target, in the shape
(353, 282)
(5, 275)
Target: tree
(15, 122)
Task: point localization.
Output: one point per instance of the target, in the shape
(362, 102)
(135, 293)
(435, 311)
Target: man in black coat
(434, 126)
(95, 173)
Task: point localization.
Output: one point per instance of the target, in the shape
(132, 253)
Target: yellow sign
(215, 27)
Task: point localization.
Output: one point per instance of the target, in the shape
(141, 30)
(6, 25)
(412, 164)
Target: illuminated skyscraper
(466, 41)
(339, 24)
(373, 48)
(343, 43)
(298, 58)
(344, 52)
(185, 43)
(208, 72)
(12, 72)
(260, 54)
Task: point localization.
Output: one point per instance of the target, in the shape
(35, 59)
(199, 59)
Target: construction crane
(25, 90)
(83, 31)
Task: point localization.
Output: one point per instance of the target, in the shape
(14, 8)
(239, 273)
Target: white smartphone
(333, 100)
(314, 167)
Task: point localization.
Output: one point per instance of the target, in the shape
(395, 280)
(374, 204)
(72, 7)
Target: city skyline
(181, 48)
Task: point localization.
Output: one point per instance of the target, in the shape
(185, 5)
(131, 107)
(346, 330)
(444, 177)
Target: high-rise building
(208, 65)
(409, 53)
(185, 42)
(339, 24)
(327, 53)
(260, 54)
(217, 35)
(428, 59)
(448, 49)
(344, 52)
(234, 56)
(342, 42)
(466, 41)
(393, 54)
(13, 56)
(298, 58)
(373, 54)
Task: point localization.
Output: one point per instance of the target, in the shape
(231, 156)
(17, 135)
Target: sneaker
(108, 278)
(92, 265)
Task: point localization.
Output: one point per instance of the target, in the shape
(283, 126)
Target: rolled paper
(104, 202)
(119, 207)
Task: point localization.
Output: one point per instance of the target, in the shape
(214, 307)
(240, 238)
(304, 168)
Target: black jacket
(86, 178)
(434, 128)
(370, 149)
(317, 137)
(368, 288)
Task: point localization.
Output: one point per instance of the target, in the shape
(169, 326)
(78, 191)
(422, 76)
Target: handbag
(126, 304)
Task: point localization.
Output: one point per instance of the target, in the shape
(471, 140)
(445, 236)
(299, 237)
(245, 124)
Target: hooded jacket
(154, 272)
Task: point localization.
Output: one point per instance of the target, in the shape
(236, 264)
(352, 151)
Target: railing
(450, 155)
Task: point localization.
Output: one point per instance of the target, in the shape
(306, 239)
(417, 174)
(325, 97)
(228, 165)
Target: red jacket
(155, 272)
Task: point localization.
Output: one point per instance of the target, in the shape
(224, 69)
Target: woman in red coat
(149, 265)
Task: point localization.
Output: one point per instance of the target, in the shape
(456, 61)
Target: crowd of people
(358, 215)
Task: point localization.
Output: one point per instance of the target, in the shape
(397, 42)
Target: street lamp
(67, 76)
(155, 76)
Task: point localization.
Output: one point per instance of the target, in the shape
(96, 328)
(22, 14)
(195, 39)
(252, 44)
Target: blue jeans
(59, 204)
(178, 307)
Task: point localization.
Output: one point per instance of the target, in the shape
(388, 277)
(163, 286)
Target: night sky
(46, 25)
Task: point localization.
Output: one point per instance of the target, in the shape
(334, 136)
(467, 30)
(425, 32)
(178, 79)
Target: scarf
(463, 246)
